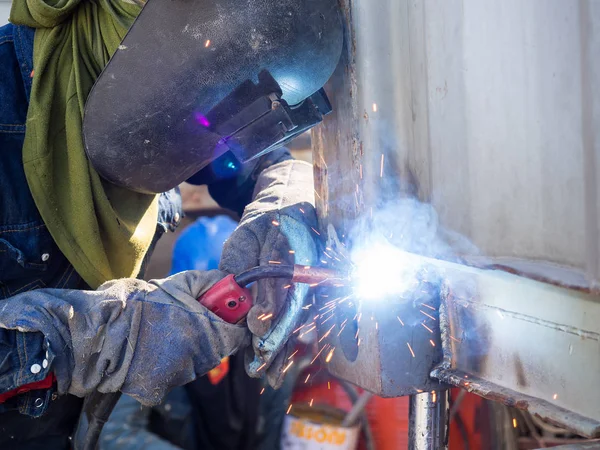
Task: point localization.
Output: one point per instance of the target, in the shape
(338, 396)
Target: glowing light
(330, 355)
(207, 43)
(374, 107)
(287, 367)
(289, 409)
(555, 396)
(202, 120)
(514, 423)
(411, 350)
(383, 271)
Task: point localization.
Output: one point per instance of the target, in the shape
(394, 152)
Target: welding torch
(230, 299)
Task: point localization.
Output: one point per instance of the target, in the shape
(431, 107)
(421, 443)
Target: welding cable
(261, 272)
(366, 426)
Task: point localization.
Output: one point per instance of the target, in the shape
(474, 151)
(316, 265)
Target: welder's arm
(236, 193)
(278, 226)
(128, 429)
(141, 338)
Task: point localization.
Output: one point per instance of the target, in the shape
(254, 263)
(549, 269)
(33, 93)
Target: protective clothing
(104, 230)
(197, 80)
(279, 226)
(142, 338)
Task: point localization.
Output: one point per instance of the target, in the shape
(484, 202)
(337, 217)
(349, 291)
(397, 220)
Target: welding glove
(142, 338)
(278, 227)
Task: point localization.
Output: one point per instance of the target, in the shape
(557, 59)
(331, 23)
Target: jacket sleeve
(127, 429)
(24, 360)
(235, 193)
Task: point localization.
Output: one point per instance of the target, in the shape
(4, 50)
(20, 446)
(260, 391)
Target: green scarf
(104, 231)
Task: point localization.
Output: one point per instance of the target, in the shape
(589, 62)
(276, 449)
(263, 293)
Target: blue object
(200, 244)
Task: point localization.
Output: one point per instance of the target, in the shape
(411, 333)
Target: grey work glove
(142, 338)
(278, 226)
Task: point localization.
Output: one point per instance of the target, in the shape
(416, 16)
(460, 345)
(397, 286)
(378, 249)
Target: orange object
(388, 417)
(216, 375)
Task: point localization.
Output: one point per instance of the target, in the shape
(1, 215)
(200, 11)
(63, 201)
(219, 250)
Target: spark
(411, 350)
(381, 169)
(317, 194)
(301, 210)
(207, 43)
(292, 355)
(308, 331)
(268, 316)
(328, 385)
(327, 334)
(318, 354)
(428, 315)
(274, 262)
(288, 410)
(275, 223)
(306, 307)
(291, 252)
(356, 335)
(311, 402)
(428, 306)
(360, 170)
(330, 355)
(342, 327)
(261, 367)
(376, 325)
(262, 391)
(307, 377)
(327, 319)
(432, 343)
(427, 328)
(301, 326)
(400, 320)
(374, 107)
(514, 423)
(358, 343)
(466, 384)
(287, 286)
(329, 305)
(288, 366)
(555, 396)
(261, 316)
(454, 339)
(434, 396)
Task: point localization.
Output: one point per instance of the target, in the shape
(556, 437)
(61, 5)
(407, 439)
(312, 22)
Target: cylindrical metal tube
(428, 421)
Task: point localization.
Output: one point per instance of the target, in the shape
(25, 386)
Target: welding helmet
(200, 81)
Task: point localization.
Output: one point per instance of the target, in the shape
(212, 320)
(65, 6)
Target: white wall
(4, 11)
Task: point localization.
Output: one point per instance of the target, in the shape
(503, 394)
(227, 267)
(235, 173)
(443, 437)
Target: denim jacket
(29, 257)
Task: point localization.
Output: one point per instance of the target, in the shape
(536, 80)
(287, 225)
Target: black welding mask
(209, 84)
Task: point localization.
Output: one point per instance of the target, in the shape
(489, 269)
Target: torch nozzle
(314, 276)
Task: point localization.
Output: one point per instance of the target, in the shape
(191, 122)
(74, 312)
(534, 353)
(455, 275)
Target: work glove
(142, 338)
(278, 227)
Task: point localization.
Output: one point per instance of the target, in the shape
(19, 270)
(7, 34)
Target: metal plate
(527, 344)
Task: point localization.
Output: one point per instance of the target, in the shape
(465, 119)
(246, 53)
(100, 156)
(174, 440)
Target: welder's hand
(142, 338)
(277, 227)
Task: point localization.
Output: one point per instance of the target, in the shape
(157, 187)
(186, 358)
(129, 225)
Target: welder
(203, 91)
